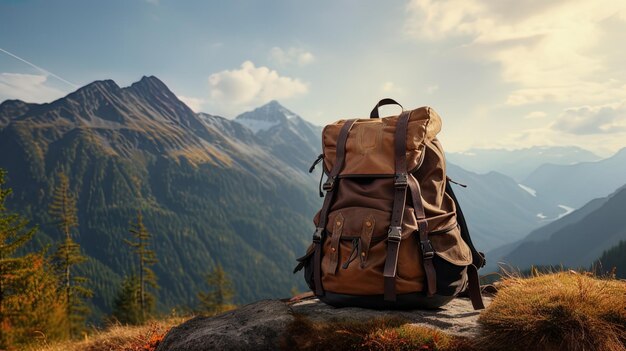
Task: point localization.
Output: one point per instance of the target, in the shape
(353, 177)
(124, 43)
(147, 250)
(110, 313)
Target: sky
(501, 73)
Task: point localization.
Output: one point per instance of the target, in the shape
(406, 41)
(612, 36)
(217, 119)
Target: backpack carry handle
(383, 102)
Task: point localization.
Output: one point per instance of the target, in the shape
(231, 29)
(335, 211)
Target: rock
(456, 318)
(256, 326)
(261, 325)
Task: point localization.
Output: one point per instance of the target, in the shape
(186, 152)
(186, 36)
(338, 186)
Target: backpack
(390, 233)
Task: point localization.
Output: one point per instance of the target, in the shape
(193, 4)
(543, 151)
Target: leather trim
(333, 261)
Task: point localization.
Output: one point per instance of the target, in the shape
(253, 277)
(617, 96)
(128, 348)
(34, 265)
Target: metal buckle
(394, 234)
(400, 181)
(317, 235)
(427, 249)
(329, 185)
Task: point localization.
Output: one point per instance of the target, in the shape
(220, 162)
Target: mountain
(614, 258)
(519, 163)
(498, 254)
(497, 209)
(577, 239)
(575, 185)
(210, 189)
(9, 109)
(278, 127)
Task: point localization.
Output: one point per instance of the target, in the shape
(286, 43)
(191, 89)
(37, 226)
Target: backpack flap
(370, 145)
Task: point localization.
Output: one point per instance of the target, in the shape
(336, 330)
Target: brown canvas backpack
(390, 233)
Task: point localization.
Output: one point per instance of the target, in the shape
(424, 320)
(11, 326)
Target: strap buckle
(329, 185)
(427, 249)
(317, 235)
(394, 234)
(400, 180)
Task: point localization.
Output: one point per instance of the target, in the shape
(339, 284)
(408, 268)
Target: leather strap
(366, 238)
(383, 102)
(478, 259)
(394, 235)
(425, 245)
(330, 186)
(473, 287)
(333, 258)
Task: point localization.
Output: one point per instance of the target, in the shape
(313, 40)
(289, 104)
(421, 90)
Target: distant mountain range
(498, 210)
(518, 164)
(576, 240)
(575, 185)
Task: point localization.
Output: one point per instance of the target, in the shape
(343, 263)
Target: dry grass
(559, 311)
(117, 337)
(377, 334)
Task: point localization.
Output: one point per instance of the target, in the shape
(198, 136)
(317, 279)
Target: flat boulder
(263, 325)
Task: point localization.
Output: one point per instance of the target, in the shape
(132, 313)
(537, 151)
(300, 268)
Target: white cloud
(27, 87)
(196, 104)
(291, 55)
(586, 120)
(549, 50)
(536, 115)
(249, 86)
(599, 128)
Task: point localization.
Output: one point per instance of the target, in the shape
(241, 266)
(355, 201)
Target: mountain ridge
(576, 240)
(205, 185)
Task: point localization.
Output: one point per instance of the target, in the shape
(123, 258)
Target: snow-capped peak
(265, 117)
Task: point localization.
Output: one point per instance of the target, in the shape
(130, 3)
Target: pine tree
(39, 306)
(68, 255)
(127, 304)
(28, 287)
(219, 297)
(145, 258)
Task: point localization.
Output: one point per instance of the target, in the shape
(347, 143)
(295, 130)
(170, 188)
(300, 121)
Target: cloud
(27, 87)
(290, 56)
(586, 120)
(599, 128)
(549, 50)
(536, 115)
(196, 104)
(250, 86)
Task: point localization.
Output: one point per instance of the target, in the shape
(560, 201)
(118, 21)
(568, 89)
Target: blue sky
(502, 73)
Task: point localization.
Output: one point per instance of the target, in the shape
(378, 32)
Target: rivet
(363, 254)
(333, 249)
(368, 223)
(338, 224)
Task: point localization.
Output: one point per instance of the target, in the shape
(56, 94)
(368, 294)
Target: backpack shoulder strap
(478, 258)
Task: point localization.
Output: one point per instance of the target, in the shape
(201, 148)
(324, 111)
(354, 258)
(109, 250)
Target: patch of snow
(567, 209)
(288, 114)
(529, 190)
(256, 125)
(541, 215)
